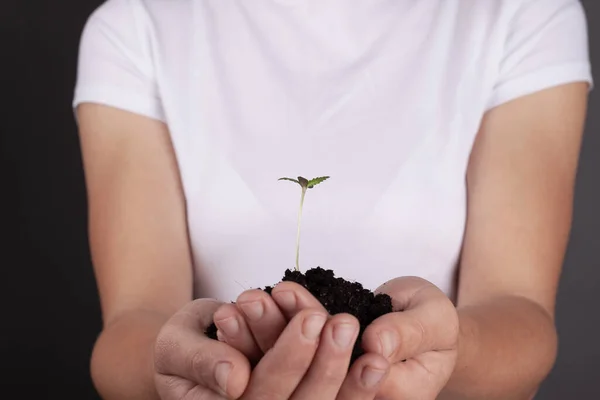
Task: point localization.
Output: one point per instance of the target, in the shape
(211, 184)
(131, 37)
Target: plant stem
(298, 234)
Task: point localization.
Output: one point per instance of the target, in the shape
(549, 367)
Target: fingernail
(371, 377)
(229, 326)
(311, 329)
(343, 334)
(388, 343)
(222, 371)
(253, 310)
(220, 336)
(286, 300)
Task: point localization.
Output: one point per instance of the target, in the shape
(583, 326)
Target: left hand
(424, 333)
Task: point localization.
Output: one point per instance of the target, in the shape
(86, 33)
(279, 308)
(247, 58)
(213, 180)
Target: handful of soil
(337, 295)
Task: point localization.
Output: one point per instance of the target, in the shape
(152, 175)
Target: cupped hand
(256, 320)
(307, 359)
(256, 324)
(310, 360)
(189, 365)
(420, 342)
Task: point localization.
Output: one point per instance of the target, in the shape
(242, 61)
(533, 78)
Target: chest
(375, 77)
(385, 98)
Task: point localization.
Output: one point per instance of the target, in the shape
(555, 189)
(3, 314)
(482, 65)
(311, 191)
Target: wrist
(122, 363)
(467, 349)
(496, 339)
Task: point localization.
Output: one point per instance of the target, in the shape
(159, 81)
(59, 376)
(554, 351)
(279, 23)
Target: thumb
(184, 351)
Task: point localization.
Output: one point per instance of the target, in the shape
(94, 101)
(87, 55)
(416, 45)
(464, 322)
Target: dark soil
(337, 296)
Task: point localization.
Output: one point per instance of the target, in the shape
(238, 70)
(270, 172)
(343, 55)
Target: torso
(384, 96)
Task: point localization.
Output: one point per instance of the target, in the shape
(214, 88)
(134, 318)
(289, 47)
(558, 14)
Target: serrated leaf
(289, 179)
(315, 181)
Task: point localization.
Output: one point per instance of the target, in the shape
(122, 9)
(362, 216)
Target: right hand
(305, 363)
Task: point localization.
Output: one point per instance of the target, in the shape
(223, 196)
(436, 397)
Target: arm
(138, 240)
(520, 188)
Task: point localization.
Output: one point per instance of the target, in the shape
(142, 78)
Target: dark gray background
(49, 314)
(577, 372)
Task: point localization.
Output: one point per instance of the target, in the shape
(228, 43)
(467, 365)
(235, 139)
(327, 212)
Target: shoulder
(138, 16)
(500, 24)
(117, 60)
(537, 14)
(544, 43)
(508, 15)
(121, 22)
(516, 8)
(133, 28)
(118, 12)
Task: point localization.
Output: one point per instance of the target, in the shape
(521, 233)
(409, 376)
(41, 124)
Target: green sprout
(304, 184)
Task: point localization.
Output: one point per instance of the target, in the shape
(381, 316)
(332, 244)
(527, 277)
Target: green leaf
(289, 179)
(315, 181)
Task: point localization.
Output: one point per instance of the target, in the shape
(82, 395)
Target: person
(451, 132)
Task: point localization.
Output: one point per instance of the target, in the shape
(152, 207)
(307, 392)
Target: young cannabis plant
(304, 184)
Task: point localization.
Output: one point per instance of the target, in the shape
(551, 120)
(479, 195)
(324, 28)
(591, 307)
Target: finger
(263, 317)
(428, 323)
(177, 388)
(199, 393)
(404, 291)
(292, 298)
(182, 349)
(281, 369)
(205, 362)
(233, 330)
(196, 315)
(170, 387)
(365, 378)
(330, 365)
(422, 377)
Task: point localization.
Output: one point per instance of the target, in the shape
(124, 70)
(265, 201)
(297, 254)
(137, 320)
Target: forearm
(122, 361)
(506, 348)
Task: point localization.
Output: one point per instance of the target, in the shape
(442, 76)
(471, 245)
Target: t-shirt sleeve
(115, 65)
(546, 45)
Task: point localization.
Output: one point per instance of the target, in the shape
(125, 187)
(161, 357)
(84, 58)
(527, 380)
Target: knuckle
(291, 366)
(251, 295)
(344, 318)
(198, 312)
(225, 311)
(197, 361)
(413, 334)
(170, 387)
(309, 311)
(169, 382)
(332, 373)
(296, 366)
(164, 347)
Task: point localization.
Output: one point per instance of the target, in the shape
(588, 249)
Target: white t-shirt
(384, 96)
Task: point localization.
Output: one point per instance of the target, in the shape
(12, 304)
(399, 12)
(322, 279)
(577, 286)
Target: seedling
(305, 184)
(337, 295)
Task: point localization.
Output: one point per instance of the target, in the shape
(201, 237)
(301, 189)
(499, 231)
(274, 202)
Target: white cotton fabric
(384, 96)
